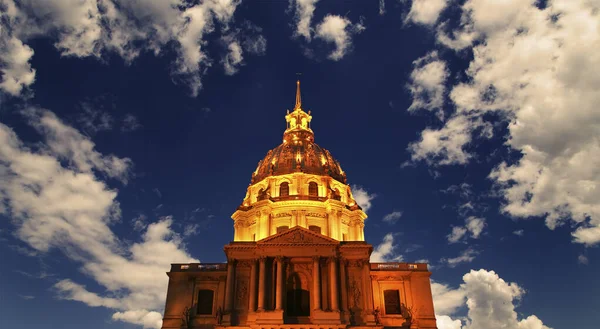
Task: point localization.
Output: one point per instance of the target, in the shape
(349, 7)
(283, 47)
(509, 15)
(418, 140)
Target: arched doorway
(298, 298)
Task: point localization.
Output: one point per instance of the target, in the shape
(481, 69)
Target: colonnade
(258, 290)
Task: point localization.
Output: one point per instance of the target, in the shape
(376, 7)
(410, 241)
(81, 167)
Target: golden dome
(298, 152)
(299, 156)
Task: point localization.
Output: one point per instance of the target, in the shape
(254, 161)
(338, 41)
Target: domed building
(298, 258)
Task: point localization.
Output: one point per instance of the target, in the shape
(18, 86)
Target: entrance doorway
(298, 299)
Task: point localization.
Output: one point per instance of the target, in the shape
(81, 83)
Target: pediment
(298, 236)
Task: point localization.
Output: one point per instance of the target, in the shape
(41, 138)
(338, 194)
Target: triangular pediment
(297, 235)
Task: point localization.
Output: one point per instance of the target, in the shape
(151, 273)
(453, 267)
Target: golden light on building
(298, 258)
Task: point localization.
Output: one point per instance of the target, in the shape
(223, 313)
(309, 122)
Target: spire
(298, 99)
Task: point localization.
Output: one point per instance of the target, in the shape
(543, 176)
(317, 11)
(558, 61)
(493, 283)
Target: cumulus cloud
(536, 68)
(427, 84)
(332, 29)
(362, 197)
(304, 11)
(386, 251)
(473, 225)
(519, 232)
(490, 302)
(426, 12)
(94, 28)
(467, 256)
(392, 217)
(338, 30)
(56, 198)
(458, 232)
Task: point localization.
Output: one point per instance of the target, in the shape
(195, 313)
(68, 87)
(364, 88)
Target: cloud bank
(57, 197)
(537, 69)
(95, 28)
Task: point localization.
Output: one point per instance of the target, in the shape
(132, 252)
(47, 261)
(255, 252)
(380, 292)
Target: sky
(468, 129)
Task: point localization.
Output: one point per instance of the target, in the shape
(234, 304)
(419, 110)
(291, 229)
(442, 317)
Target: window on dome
(282, 229)
(313, 189)
(284, 189)
(315, 228)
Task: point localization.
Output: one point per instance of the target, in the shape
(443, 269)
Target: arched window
(315, 228)
(313, 189)
(284, 189)
(205, 301)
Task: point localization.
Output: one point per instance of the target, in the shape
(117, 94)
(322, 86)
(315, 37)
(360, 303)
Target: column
(279, 292)
(343, 285)
(368, 286)
(333, 287)
(261, 283)
(229, 285)
(316, 284)
(253, 283)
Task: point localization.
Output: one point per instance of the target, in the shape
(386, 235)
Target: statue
(187, 317)
(219, 316)
(376, 312)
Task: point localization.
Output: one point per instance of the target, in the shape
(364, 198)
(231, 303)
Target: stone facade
(299, 259)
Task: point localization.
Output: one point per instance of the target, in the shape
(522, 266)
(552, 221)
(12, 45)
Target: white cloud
(427, 84)
(56, 201)
(386, 251)
(304, 13)
(446, 322)
(538, 70)
(426, 11)
(381, 7)
(233, 59)
(467, 256)
(458, 232)
(446, 300)
(94, 28)
(473, 225)
(147, 319)
(392, 217)
(519, 232)
(338, 30)
(362, 197)
(490, 302)
(582, 259)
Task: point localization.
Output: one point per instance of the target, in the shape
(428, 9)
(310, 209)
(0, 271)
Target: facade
(298, 258)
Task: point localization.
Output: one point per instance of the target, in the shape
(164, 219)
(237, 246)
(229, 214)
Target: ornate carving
(299, 237)
(357, 262)
(390, 278)
(242, 293)
(244, 263)
(303, 267)
(316, 214)
(282, 214)
(355, 292)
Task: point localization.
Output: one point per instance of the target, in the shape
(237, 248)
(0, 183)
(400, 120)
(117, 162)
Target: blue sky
(468, 130)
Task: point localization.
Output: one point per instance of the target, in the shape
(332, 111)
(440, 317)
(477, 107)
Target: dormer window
(284, 189)
(313, 189)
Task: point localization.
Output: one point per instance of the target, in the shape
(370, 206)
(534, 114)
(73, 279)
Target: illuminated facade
(298, 258)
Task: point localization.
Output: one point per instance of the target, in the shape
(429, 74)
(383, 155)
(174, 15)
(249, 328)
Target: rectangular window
(205, 301)
(344, 237)
(315, 229)
(392, 302)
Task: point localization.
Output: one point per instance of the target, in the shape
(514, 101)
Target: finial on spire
(298, 99)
